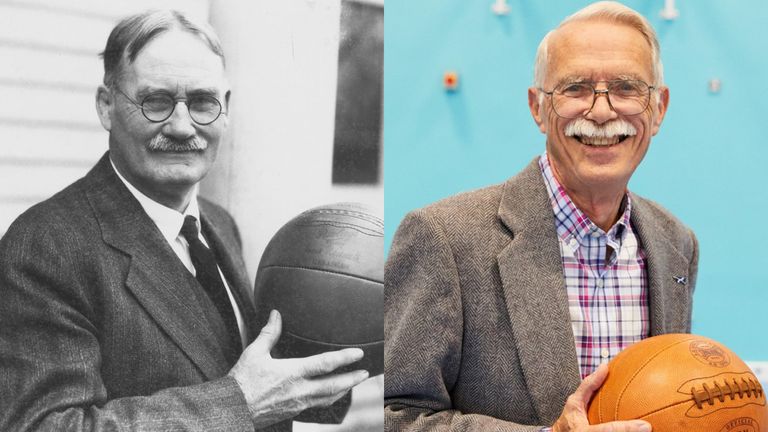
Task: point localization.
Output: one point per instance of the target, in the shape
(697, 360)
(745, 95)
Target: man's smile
(601, 141)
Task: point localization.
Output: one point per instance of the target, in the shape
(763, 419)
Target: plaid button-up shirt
(605, 277)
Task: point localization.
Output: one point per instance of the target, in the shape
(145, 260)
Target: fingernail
(356, 353)
(363, 374)
(273, 315)
(642, 426)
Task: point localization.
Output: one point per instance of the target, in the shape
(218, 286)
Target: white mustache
(161, 143)
(584, 127)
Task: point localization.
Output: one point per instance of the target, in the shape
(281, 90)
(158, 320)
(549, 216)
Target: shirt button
(573, 242)
(595, 234)
(604, 353)
(600, 283)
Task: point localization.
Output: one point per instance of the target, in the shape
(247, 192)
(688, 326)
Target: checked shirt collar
(572, 224)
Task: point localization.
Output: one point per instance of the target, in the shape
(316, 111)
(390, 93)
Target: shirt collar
(572, 222)
(168, 220)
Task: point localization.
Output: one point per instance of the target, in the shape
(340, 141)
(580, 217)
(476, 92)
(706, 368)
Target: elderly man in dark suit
(125, 302)
(502, 305)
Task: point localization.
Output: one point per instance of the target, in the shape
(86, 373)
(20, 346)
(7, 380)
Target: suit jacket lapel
(664, 262)
(156, 276)
(534, 289)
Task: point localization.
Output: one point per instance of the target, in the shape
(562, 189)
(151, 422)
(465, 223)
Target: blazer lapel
(534, 290)
(665, 265)
(155, 275)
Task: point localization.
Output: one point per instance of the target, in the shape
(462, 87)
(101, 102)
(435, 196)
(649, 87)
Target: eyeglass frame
(176, 102)
(596, 92)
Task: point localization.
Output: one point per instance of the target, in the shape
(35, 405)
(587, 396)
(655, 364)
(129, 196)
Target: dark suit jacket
(101, 325)
(478, 334)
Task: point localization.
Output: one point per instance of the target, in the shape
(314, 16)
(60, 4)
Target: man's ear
(535, 107)
(104, 106)
(661, 108)
(226, 100)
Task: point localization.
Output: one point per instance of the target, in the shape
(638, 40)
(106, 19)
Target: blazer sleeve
(50, 351)
(424, 331)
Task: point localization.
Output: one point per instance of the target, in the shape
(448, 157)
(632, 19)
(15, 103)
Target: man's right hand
(279, 389)
(574, 416)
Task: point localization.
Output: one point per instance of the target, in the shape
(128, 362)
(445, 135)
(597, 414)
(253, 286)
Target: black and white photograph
(191, 215)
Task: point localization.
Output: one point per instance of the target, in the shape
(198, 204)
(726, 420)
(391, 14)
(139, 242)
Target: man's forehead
(585, 48)
(177, 60)
(179, 44)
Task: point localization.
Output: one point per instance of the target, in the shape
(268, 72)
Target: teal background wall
(706, 165)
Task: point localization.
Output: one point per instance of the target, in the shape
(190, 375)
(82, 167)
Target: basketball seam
(334, 344)
(352, 213)
(634, 375)
(683, 402)
(322, 271)
(662, 409)
(338, 224)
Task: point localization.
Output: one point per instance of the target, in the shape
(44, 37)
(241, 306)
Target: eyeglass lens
(203, 109)
(626, 97)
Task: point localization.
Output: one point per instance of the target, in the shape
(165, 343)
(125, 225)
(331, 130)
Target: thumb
(270, 333)
(591, 383)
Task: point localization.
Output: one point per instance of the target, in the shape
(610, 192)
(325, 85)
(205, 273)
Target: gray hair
(608, 11)
(133, 33)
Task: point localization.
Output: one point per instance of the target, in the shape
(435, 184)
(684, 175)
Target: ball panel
(339, 238)
(658, 374)
(625, 368)
(349, 304)
(291, 346)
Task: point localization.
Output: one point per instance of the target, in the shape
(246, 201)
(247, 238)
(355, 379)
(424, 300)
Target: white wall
(282, 58)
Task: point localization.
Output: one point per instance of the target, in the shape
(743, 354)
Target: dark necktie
(208, 275)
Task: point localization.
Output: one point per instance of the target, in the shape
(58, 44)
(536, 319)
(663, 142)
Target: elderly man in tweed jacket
(502, 304)
(125, 300)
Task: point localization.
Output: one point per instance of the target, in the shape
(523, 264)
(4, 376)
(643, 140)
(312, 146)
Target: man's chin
(599, 176)
(181, 173)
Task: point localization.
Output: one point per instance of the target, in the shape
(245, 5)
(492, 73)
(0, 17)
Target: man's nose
(601, 111)
(179, 125)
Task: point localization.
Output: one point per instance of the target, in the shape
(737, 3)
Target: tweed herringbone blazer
(478, 334)
(102, 328)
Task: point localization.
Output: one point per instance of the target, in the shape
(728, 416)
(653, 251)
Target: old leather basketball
(681, 382)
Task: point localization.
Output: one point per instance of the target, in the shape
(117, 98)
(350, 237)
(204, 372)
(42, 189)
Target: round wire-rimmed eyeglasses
(158, 107)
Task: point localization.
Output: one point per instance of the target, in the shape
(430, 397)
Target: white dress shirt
(169, 222)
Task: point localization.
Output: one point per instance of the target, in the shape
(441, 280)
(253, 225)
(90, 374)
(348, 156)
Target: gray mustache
(584, 127)
(162, 143)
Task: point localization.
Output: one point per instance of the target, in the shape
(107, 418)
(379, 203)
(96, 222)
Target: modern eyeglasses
(159, 106)
(576, 99)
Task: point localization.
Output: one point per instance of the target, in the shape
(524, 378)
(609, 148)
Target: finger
(590, 384)
(324, 363)
(269, 334)
(327, 401)
(623, 426)
(335, 386)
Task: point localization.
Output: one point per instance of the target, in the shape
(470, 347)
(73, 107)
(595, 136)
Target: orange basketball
(681, 382)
